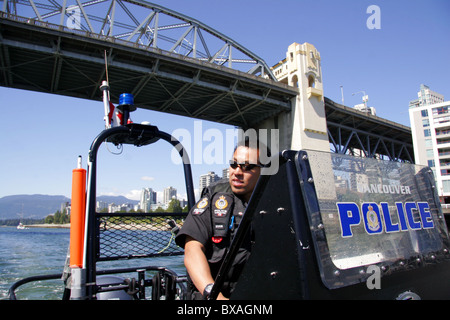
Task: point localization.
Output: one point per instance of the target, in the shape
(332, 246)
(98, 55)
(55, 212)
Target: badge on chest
(222, 211)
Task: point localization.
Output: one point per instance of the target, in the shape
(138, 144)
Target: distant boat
(21, 226)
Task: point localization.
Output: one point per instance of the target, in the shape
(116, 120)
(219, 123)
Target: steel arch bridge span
(170, 62)
(142, 24)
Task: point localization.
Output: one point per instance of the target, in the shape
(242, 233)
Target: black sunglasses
(243, 166)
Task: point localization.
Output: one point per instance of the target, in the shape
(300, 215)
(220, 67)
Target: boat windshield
(376, 212)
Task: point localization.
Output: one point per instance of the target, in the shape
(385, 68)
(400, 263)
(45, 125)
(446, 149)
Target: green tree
(58, 218)
(174, 206)
(49, 219)
(159, 209)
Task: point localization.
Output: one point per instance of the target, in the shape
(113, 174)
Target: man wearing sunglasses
(212, 222)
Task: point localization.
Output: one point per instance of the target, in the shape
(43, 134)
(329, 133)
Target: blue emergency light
(126, 99)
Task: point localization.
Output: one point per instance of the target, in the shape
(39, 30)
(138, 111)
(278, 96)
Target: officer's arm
(197, 265)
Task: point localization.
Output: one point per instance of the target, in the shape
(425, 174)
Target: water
(42, 251)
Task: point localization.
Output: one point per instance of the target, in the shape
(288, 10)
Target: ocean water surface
(43, 251)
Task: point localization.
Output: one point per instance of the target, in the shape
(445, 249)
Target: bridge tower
(304, 127)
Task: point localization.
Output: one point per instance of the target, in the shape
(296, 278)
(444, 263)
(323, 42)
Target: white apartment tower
(226, 173)
(430, 128)
(426, 97)
(169, 193)
(207, 179)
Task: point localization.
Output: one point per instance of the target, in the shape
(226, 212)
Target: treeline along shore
(61, 219)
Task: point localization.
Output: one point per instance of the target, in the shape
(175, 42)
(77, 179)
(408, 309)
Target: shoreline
(48, 225)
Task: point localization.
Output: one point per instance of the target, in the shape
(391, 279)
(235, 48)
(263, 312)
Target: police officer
(212, 222)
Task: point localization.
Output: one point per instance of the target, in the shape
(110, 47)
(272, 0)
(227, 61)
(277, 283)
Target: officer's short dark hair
(250, 143)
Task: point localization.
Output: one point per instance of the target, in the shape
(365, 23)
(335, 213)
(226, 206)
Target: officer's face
(242, 181)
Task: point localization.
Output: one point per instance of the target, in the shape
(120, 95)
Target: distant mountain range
(39, 206)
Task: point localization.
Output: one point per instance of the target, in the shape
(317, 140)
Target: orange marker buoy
(77, 216)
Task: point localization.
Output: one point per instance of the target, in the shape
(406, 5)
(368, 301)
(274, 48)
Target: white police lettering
(219, 226)
(378, 219)
(383, 188)
(220, 213)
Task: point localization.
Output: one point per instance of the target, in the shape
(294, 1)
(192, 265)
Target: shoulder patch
(202, 203)
(200, 207)
(221, 203)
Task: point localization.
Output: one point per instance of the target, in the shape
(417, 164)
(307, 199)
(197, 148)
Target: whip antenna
(106, 71)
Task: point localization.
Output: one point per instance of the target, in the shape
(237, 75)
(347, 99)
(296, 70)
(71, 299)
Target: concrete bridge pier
(304, 127)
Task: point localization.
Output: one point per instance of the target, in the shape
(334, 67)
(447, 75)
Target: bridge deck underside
(39, 58)
(47, 60)
(354, 132)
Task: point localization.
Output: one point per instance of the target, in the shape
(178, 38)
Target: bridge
(176, 64)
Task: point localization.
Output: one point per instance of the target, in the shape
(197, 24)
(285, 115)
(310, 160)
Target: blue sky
(41, 135)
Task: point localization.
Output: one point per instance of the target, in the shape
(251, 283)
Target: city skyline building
(226, 173)
(364, 108)
(169, 194)
(430, 128)
(148, 197)
(426, 97)
(206, 179)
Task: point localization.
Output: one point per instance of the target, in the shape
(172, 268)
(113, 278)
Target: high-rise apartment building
(169, 193)
(226, 173)
(426, 97)
(148, 197)
(207, 179)
(430, 128)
